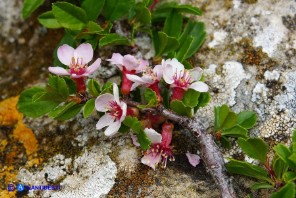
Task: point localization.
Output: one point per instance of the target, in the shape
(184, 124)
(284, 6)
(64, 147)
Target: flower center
(115, 110)
(76, 66)
(149, 72)
(164, 152)
(183, 79)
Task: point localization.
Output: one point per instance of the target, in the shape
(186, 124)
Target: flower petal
(112, 128)
(65, 54)
(135, 140)
(158, 71)
(58, 71)
(142, 65)
(105, 120)
(124, 109)
(199, 86)
(134, 86)
(93, 67)
(196, 73)
(168, 74)
(153, 135)
(116, 59)
(84, 52)
(135, 78)
(193, 159)
(102, 102)
(151, 159)
(130, 62)
(116, 93)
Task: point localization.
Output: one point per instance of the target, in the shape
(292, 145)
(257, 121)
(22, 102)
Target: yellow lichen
(9, 115)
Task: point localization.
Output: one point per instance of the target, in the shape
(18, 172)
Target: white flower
(115, 111)
(177, 76)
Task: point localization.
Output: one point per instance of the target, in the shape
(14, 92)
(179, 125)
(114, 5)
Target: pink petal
(135, 140)
(196, 73)
(124, 109)
(112, 128)
(77, 76)
(116, 59)
(116, 93)
(102, 102)
(134, 86)
(158, 70)
(142, 65)
(151, 159)
(105, 120)
(168, 74)
(58, 71)
(93, 67)
(135, 78)
(193, 159)
(84, 52)
(65, 54)
(130, 62)
(153, 136)
(199, 86)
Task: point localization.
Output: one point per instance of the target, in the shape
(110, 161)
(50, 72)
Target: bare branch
(210, 152)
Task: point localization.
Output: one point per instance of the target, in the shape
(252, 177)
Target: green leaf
(165, 94)
(225, 143)
(287, 191)
(66, 111)
(114, 9)
(187, 65)
(70, 84)
(294, 141)
(69, 15)
(179, 107)
(292, 159)
(191, 40)
(142, 14)
(173, 24)
(255, 148)
(203, 100)
(247, 169)
(258, 185)
(30, 6)
(93, 87)
(164, 44)
(89, 108)
(143, 140)
(93, 27)
(59, 86)
(123, 129)
(133, 123)
(279, 167)
(289, 176)
(247, 119)
(150, 96)
(93, 8)
(283, 152)
(224, 117)
(113, 39)
(179, 7)
(107, 87)
(190, 98)
(48, 20)
(28, 107)
(236, 131)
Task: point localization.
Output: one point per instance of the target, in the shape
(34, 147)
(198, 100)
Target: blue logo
(10, 187)
(20, 187)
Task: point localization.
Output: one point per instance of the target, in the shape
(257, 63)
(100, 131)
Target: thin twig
(210, 152)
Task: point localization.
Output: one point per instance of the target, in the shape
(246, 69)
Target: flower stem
(155, 88)
(80, 84)
(178, 93)
(126, 83)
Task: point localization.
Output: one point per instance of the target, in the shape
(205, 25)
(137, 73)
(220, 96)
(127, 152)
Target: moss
(250, 1)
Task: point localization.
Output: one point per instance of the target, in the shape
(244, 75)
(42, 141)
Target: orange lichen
(9, 116)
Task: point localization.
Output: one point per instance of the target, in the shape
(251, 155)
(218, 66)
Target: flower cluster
(135, 73)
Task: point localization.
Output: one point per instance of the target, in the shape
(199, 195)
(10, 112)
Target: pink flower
(149, 77)
(115, 111)
(159, 151)
(77, 60)
(182, 79)
(193, 159)
(128, 64)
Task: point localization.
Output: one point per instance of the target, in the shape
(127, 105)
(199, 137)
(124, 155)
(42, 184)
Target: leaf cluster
(280, 175)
